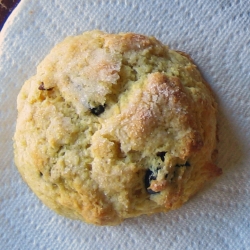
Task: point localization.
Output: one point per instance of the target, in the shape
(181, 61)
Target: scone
(114, 126)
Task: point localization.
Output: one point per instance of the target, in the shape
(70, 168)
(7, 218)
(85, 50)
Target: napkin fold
(216, 34)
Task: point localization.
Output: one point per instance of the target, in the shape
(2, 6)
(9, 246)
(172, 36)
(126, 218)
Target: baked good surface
(113, 126)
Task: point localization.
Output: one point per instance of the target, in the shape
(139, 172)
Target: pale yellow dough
(104, 111)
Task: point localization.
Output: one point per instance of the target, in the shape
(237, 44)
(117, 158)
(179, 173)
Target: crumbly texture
(113, 126)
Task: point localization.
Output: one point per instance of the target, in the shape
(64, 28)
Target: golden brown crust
(114, 126)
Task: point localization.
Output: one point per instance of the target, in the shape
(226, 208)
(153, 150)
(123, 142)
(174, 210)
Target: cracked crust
(102, 110)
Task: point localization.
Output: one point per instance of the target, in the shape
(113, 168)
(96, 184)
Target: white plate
(216, 34)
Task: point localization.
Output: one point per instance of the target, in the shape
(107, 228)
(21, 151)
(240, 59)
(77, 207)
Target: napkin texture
(216, 34)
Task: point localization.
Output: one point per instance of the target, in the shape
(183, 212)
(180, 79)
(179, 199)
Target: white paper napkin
(216, 34)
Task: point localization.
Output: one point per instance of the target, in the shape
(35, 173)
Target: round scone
(113, 126)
